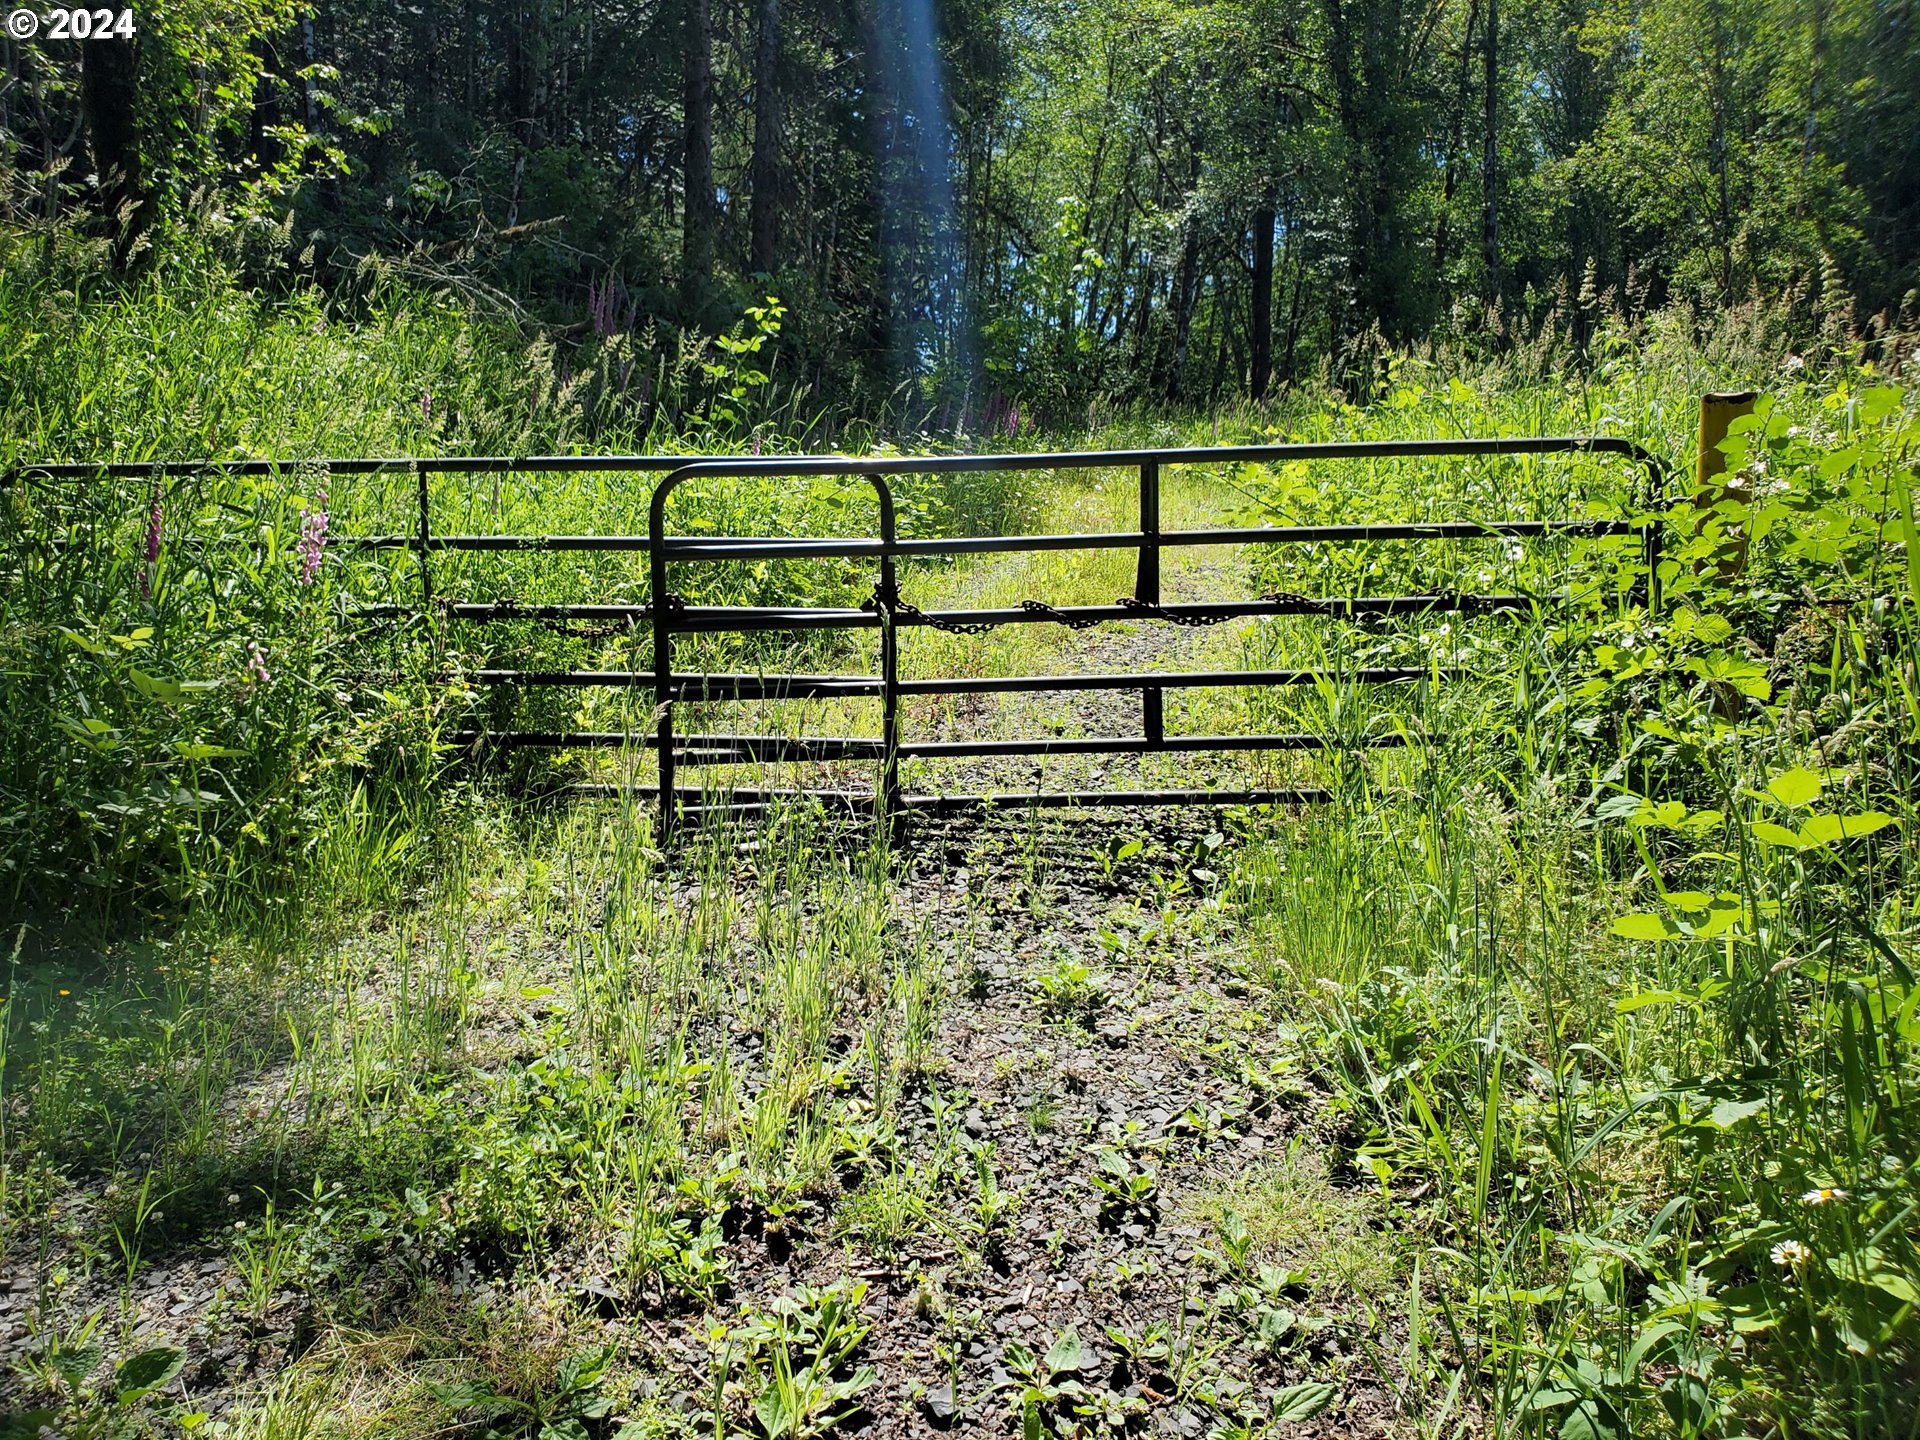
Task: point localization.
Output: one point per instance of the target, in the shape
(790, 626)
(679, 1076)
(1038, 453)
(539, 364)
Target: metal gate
(887, 611)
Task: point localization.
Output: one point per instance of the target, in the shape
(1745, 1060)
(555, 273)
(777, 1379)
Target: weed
(1069, 990)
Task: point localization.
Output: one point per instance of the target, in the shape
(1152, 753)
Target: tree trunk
(696, 221)
(1261, 362)
(1186, 289)
(1442, 231)
(1289, 372)
(1490, 160)
(1186, 293)
(1718, 100)
(766, 139)
(263, 146)
(109, 81)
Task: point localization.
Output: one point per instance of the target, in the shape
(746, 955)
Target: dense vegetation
(1555, 1078)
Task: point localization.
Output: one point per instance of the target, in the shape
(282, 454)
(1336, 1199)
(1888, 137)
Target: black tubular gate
(888, 612)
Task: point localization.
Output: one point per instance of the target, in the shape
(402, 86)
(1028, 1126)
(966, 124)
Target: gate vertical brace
(662, 667)
(890, 798)
(1146, 588)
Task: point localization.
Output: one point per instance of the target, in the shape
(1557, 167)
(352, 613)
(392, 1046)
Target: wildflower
(66, 992)
(1790, 1254)
(426, 406)
(1825, 1195)
(256, 664)
(155, 524)
(313, 537)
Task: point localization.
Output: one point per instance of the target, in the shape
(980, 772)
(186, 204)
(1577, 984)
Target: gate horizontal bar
(718, 800)
(769, 547)
(1171, 680)
(1094, 799)
(731, 619)
(1138, 745)
(744, 749)
(696, 687)
(845, 465)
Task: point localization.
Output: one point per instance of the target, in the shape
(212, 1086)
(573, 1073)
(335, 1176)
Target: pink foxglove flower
(155, 524)
(313, 538)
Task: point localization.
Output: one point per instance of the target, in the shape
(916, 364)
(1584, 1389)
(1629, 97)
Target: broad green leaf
(773, 1412)
(1645, 926)
(1798, 786)
(1768, 833)
(1722, 914)
(1064, 1353)
(1730, 1112)
(1825, 829)
(141, 1374)
(1620, 807)
(1588, 1419)
(1303, 1402)
(1901, 1287)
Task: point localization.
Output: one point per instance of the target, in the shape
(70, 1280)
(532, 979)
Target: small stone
(975, 1124)
(939, 1407)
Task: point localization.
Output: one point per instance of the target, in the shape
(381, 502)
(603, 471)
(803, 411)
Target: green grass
(1604, 1040)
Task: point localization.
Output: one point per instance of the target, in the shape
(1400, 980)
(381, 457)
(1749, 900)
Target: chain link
(1040, 607)
(888, 602)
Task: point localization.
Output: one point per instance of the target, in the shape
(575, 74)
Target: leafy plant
(797, 1359)
(556, 1414)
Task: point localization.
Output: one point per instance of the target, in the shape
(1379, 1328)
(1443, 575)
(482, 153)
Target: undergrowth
(1604, 978)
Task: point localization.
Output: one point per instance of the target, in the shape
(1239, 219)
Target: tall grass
(1607, 978)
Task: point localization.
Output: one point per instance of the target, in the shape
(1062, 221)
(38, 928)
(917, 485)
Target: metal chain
(1159, 612)
(884, 601)
(1039, 607)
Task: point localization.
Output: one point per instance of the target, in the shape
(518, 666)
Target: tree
(696, 216)
(109, 97)
(766, 139)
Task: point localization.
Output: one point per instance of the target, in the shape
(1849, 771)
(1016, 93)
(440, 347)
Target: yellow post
(1717, 413)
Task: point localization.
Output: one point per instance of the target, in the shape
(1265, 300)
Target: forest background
(991, 211)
